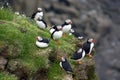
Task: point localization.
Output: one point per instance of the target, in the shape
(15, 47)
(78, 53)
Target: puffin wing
(66, 66)
(76, 56)
(86, 47)
(45, 23)
(33, 15)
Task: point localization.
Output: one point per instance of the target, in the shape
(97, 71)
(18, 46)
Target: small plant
(6, 14)
(6, 76)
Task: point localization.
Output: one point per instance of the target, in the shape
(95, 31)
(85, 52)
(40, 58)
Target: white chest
(57, 35)
(41, 24)
(41, 44)
(67, 28)
(91, 47)
(38, 15)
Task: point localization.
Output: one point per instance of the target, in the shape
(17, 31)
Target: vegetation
(19, 34)
(6, 76)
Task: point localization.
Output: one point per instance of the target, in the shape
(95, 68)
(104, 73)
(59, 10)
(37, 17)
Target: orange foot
(79, 62)
(64, 34)
(90, 56)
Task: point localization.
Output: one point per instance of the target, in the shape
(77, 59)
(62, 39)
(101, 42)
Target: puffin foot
(64, 34)
(90, 56)
(79, 62)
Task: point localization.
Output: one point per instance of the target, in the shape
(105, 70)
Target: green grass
(6, 76)
(27, 52)
(6, 14)
(55, 72)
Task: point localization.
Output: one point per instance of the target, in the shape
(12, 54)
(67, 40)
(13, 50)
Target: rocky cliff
(94, 18)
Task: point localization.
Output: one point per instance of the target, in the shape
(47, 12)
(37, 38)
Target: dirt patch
(2, 22)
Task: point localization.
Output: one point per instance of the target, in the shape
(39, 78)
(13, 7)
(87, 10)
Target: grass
(6, 14)
(55, 72)
(6, 76)
(20, 32)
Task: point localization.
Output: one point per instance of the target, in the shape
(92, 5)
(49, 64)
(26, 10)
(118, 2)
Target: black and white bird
(78, 55)
(77, 35)
(41, 23)
(88, 46)
(37, 14)
(64, 64)
(67, 26)
(42, 42)
(5, 4)
(56, 34)
(54, 27)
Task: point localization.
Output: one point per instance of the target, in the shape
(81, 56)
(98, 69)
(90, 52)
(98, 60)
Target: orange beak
(70, 22)
(94, 41)
(61, 28)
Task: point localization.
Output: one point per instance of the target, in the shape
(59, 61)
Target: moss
(6, 76)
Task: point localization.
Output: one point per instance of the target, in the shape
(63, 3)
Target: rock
(12, 65)
(9, 51)
(3, 63)
(40, 74)
(85, 71)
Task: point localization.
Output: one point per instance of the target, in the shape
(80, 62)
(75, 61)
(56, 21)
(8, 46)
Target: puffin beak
(70, 22)
(61, 28)
(94, 41)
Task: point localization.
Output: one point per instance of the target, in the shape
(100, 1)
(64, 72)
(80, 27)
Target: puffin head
(63, 59)
(91, 40)
(79, 50)
(39, 38)
(39, 9)
(59, 27)
(68, 21)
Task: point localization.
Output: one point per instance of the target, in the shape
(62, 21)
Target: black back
(44, 40)
(64, 24)
(66, 66)
(33, 15)
(77, 55)
(44, 23)
(86, 47)
(55, 27)
(52, 34)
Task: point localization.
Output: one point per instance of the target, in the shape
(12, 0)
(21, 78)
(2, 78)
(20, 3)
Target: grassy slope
(11, 27)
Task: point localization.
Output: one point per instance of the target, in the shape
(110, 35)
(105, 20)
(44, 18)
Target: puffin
(67, 26)
(54, 27)
(37, 14)
(41, 23)
(42, 42)
(64, 64)
(57, 33)
(75, 34)
(88, 46)
(78, 55)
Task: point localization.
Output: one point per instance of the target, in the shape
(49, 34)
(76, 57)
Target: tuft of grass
(55, 72)
(6, 76)
(6, 14)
